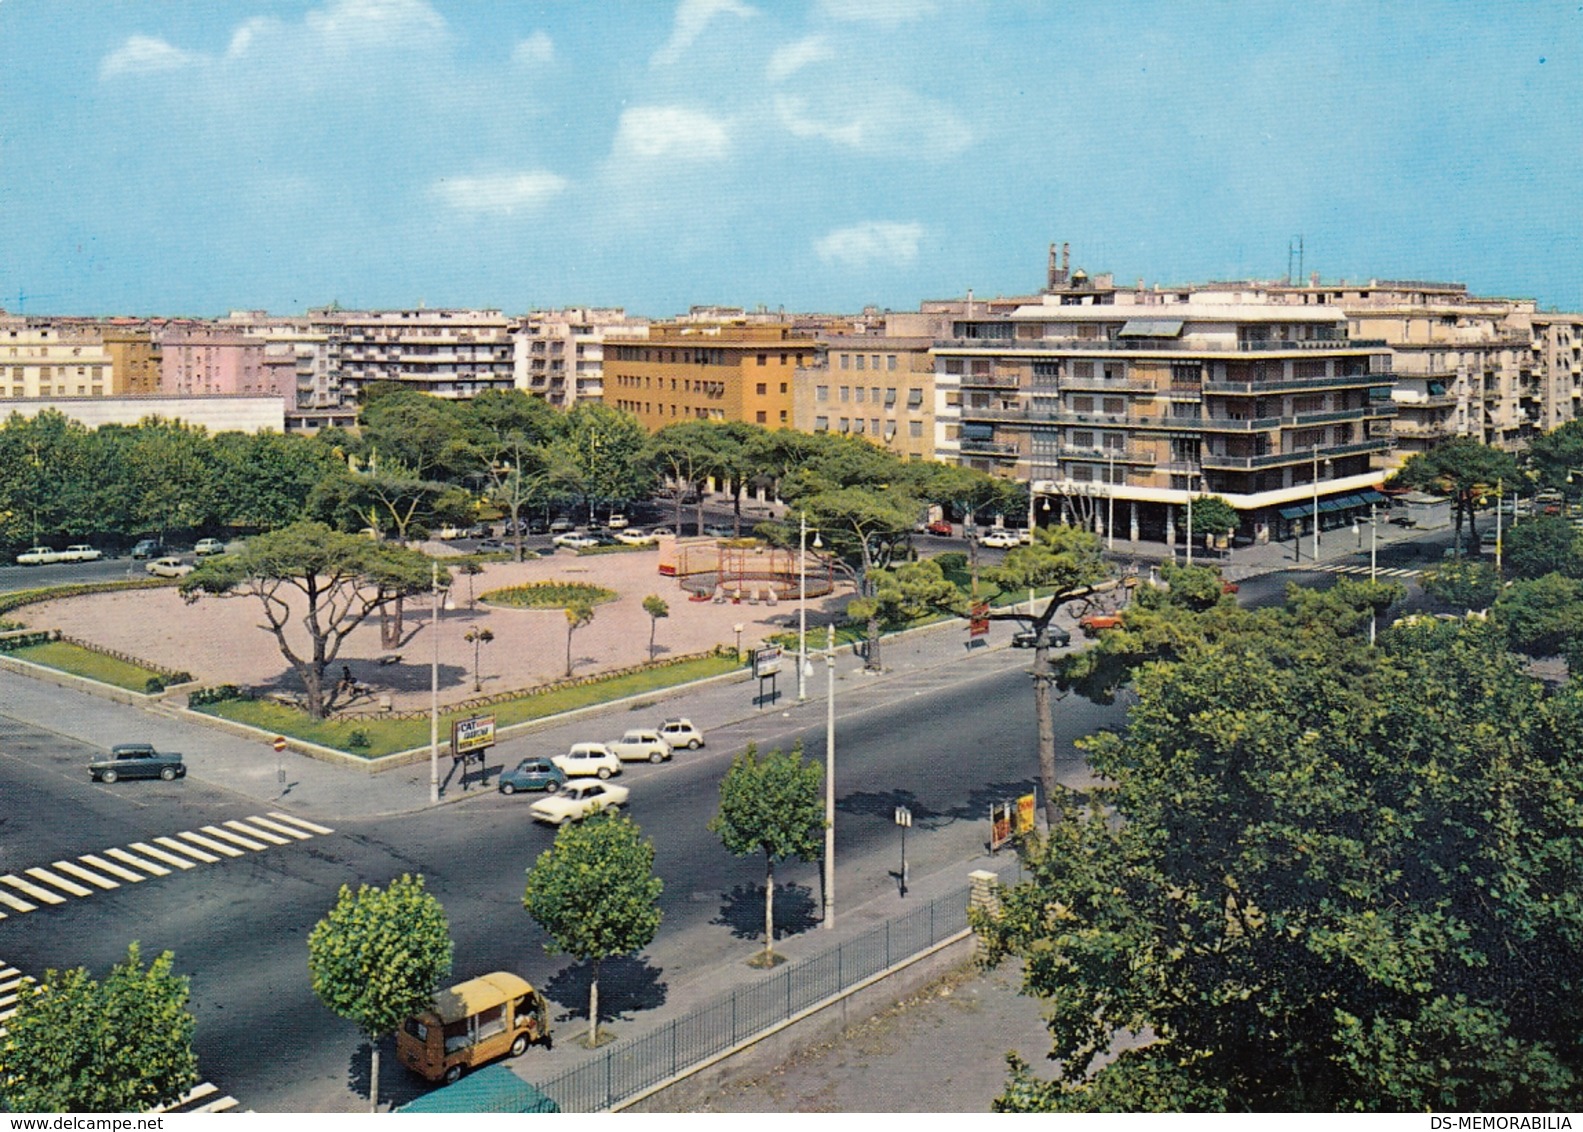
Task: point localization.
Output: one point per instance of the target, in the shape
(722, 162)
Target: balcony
(1297, 384)
(1104, 385)
(1034, 346)
(992, 380)
(990, 448)
(1138, 456)
(1276, 459)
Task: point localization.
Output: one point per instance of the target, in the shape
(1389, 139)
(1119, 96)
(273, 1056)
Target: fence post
(673, 1047)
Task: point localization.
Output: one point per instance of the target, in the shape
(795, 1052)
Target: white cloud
(143, 55)
(500, 194)
(882, 243)
(536, 50)
(692, 17)
(793, 57)
(886, 13)
(362, 23)
(793, 113)
(649, 132)
(880, 120)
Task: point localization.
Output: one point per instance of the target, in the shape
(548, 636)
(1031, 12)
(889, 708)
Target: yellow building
(42, 360)
(729, 371)
(879, 388)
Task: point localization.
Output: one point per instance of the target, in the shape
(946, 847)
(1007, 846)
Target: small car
(1095, 623)
(574, 541)
(588, 758)
(1227, 586)
(681, 733)
(939, 527)
(1028, 638)
(532, 774)
(207, 546)
(719, 530)
(169, 568)
(80, 552)
(38, 556)
(137, 760)
(148, 548)
(999, 537)
(1486, 538)
(634, 537)
(617, 521)
(449, 532)
(577, 800)
(562, 526)
(637, 745)
(489, 544)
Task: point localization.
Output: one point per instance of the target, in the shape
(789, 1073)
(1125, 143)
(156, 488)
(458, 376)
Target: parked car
(939, 527)
(169, 568)
(680, 732)
(450, 531)
(1095, 623)
(634, 537)
(490, 544)
(207, 546)
(480, 530)
(588, 758)
(536, 527)
(137, 760)
(1028, 638)
(718, 530)
(80, 552)
(1227, 586)
(562, 526)
(532, 774)
(148, 548)
(638, 744)
(38, 556)
(999, 537)
(575, 541)
(577, 800)
(617, 522)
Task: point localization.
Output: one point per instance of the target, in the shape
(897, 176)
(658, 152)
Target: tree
(1319, 879)
(1463, 583)
(1546, 544)
(911, 591)
(680, 456)
(578, 614)
(772, 805)
(656, 608)
(1554, 455)
(1463, 469)
(77, 1045)
(594, 891)
(864, 529)
(1212, 515)
(378, 958)
(263, 480)
(600, 455)
(338, 580)
(1543, 617)
(971, 492)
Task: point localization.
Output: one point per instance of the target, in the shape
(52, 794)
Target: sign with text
(978, 624)
(766, 661)
(1000, 817)
(1025, 808)
(471, 737)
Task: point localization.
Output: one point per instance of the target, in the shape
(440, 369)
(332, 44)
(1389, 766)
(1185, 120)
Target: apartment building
(559, 354)
(1118, 406)
(731, 371)
(454, 354)
(39, 359)
(874, 386)
(206, 360)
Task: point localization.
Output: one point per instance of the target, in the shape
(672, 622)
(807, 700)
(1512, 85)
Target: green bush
(215, 695)
(358, 740)
(548, 595)
(25, 640)
(154, 685)
(952, 561)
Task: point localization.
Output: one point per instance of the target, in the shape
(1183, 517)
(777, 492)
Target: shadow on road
(627, 984)
(742, 910)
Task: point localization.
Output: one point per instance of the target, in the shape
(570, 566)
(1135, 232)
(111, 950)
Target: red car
(940, 527)
(1093, 624)
(1228, 587)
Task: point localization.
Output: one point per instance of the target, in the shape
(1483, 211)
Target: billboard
(978, 625)
(766, 661)
(1025, 817)
(1000, 817)
(472, 736)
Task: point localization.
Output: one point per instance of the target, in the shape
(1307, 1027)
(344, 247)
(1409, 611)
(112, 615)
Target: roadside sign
(766, 661)
(978, 625)
(279, 744)
(1025, 808)
(1000, 818)
(903, 817)
(473, 736)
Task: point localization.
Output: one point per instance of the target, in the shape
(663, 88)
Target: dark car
(148, 548)
(532, 774)
(1027, 638)
(488, 544)
(137, 760)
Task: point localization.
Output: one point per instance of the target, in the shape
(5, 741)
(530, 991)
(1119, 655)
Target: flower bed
(548, 595)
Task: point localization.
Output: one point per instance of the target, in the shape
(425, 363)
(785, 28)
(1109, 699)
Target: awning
(1372, 496)
(1295, 512)
(1151, 328)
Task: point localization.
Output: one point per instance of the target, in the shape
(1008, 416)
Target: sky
(190, 157)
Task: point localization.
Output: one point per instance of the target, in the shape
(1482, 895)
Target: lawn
(387, 736)
(93, 665)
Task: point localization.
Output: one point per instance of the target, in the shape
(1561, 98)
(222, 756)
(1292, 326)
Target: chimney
(1313, 279)
(970, 302)
(1066, 258)
(1050, 270)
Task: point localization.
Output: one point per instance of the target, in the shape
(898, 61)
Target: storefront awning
(1372, 496)
(1295, 512)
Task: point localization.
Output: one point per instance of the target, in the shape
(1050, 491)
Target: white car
(634, 537)
(681, 733)
(81, 552)
(999, 538)
(38, 556)
(169, 568)
(617, 521)
(575, 541)
(588, 758)
(208, 546)
(637, 745)
(576, 800)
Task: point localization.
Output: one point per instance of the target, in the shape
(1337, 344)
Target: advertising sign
(1025, 806)
(766, 661)
(471, 737)
(978, 625)
(1000, 817)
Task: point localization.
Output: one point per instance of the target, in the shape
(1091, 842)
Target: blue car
(532, 774)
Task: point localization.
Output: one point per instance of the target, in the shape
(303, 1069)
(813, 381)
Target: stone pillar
(984, 897)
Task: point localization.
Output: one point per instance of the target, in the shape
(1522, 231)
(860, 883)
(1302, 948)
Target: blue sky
(186, 157)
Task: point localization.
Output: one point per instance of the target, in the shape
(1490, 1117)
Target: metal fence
(630, 1067)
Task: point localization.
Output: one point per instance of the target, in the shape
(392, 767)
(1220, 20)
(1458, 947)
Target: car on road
(588, 758)
(1486, 538)
(562, 526)
(207, 546)
(38, 556)
(1227, 586)
(634, 537)
(638, 745)
(532, 774)
(137, 760)
(680, 732)
(939, 527)
(450, 532)
(1028, 638)
(148, 548)
(490, 544)
(169, 568)
(577, 800)
(1095, 623)
(999, 537)
(80, 552)
(719, 530)
(575, 541)
(618, 521)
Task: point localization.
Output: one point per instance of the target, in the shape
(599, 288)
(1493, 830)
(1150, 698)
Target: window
(874, 361)
(846, 360)
(821, 424)
(915, 429)
(761, 417)
(846, 425)
(857, 394)
(783, 416)
(783, 387)
(890, 398)
(860, 359)
(915, 398)
(857, 426)
(890, 362)
(821, 393)
(846, 393)
(762, 388)
(1115, 406)
(764, 359)
(873, 423)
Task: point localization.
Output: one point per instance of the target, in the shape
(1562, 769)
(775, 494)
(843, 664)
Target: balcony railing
(1292, 385)
(1147, 345)
(1106, 455)
(1107, 385)
(1275, 459)
(992, 380)
(990, 448)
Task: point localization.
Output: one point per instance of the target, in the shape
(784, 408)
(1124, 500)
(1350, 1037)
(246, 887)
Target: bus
(472, 1023)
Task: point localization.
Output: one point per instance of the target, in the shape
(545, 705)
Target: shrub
(952, 561)
(217, 694)
(548, 595)
(358, 740)
(154, 685)
(25, 640)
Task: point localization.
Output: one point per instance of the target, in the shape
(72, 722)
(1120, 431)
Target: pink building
(200, 361)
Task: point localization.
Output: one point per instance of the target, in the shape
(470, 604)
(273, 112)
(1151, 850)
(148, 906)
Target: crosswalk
(202, 1097)
(1383, 572)
(28, 890)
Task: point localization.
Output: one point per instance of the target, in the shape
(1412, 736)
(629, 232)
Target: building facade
(453, 354)
(42, 359)
(874, 386)
(560, 353)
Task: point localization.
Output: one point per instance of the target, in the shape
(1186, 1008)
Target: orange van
(472, 1023)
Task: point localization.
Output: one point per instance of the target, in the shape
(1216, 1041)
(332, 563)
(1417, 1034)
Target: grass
(387, 736)
(548, 595)
(85, 662)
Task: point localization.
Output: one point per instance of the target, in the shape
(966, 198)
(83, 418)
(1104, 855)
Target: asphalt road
(955, 739)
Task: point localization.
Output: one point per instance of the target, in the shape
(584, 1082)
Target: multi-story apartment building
(1118, 406)
(560, 353)
(874, 386)
(205, 360)
(734, 371)
(39, 359)
(134, 357)
(455, 354)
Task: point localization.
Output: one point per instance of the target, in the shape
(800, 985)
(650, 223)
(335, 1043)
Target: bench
(390, 658)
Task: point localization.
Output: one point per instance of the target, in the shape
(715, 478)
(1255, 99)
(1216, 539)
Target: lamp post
(802, 606)
(1110, 503)
(829, 779)
(737, 629)
(434, 688)
(1316, 502)
(1373, 565)
(1189, 527)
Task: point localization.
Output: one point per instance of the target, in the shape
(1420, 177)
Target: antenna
(1294, 247)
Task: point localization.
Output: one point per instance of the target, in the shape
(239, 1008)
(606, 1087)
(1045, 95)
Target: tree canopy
(1463, 469)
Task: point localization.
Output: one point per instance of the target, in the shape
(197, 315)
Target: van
(473, 1023)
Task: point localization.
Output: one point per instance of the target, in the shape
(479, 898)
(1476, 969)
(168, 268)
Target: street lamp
(737, 628)
(802, 605)
(829, 779)
(1189, 528)
(1316, 501)
(434, 688)
(1110, 503)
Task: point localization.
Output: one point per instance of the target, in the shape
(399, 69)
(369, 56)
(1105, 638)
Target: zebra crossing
(42, 886)
(1381, 572)
(202, 1097)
